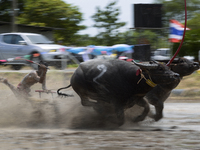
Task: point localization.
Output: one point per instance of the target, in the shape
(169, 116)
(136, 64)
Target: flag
(176, 31)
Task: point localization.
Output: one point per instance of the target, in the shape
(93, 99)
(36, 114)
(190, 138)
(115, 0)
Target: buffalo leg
(103, 108)
(85, 102)
(120, 115)
(159, 109)
(142, 103)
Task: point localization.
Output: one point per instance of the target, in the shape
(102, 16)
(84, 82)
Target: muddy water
(183, 116)
(60, 124)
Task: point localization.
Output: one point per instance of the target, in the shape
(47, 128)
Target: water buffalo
(161, 92)
(118, 83)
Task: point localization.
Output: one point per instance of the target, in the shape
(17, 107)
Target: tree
(107, 21)
(175, 9)
(6, 9)
(53, 13)
(84, 40)
(191, 44)
(135, 37)
(48, 13)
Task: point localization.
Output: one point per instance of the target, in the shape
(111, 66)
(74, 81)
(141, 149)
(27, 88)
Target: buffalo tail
(63, 94)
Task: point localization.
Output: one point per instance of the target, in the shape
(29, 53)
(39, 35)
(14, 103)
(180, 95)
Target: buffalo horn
(146, 66)
(156, 62)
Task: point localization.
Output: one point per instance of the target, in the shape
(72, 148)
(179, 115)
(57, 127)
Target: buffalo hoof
(139, 118)
(112, 119)
(158, 117)
(120, 122)
(99, 109)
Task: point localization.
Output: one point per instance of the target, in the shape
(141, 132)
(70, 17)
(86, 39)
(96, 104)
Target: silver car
(37, 46)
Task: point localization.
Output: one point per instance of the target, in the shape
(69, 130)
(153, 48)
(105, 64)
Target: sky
(88, 8)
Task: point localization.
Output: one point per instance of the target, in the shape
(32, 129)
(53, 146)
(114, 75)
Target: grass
(191, 87)
(9, 67)
(72, 65)
(191, 82)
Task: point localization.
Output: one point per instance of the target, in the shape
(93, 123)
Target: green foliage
(175, 9)
(191, 44)
(188, 49)
(107, 21)
(48, 13)
(6, 9)
(144, 37)
(83, 40)
(193, 35)
(72, 66)
(53, 13)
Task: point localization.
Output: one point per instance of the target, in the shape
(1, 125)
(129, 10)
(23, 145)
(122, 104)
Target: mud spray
(48, 112)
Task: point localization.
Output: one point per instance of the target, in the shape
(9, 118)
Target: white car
(37, 46)
(161, 54)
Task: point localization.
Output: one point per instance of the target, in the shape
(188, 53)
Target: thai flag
(176, 31)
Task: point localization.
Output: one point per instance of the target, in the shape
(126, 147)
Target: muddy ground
(62, 123)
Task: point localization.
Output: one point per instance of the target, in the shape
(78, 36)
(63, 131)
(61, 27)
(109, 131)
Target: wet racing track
(179, 129)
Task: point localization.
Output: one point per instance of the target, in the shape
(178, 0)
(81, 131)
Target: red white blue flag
(176, 31)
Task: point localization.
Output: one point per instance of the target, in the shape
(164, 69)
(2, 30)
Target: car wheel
(16, 67)
(35, 59)
(58, 64)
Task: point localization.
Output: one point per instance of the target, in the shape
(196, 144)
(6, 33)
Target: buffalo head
(158, 72)
(183, 66)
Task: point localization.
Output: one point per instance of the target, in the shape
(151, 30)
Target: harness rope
(148, 81)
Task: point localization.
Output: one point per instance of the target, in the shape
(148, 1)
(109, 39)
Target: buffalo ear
(171, 66)
(138, 72)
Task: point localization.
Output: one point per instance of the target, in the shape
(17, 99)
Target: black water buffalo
(161, 92)
(118, 83)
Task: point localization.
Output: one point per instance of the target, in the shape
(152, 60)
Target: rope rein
(185, 26)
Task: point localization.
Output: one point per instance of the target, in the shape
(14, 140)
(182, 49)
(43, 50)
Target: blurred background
(76, 31)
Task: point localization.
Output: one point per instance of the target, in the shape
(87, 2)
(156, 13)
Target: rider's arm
(42, 76)
(41, 79)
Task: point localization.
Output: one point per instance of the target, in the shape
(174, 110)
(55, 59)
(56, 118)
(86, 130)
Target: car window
(17, 38)
(157, 52)
(163, 52)
(7, 39)
(38, 39)
(168, 52)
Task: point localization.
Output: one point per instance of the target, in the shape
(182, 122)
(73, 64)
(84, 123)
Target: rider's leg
(12, 87)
